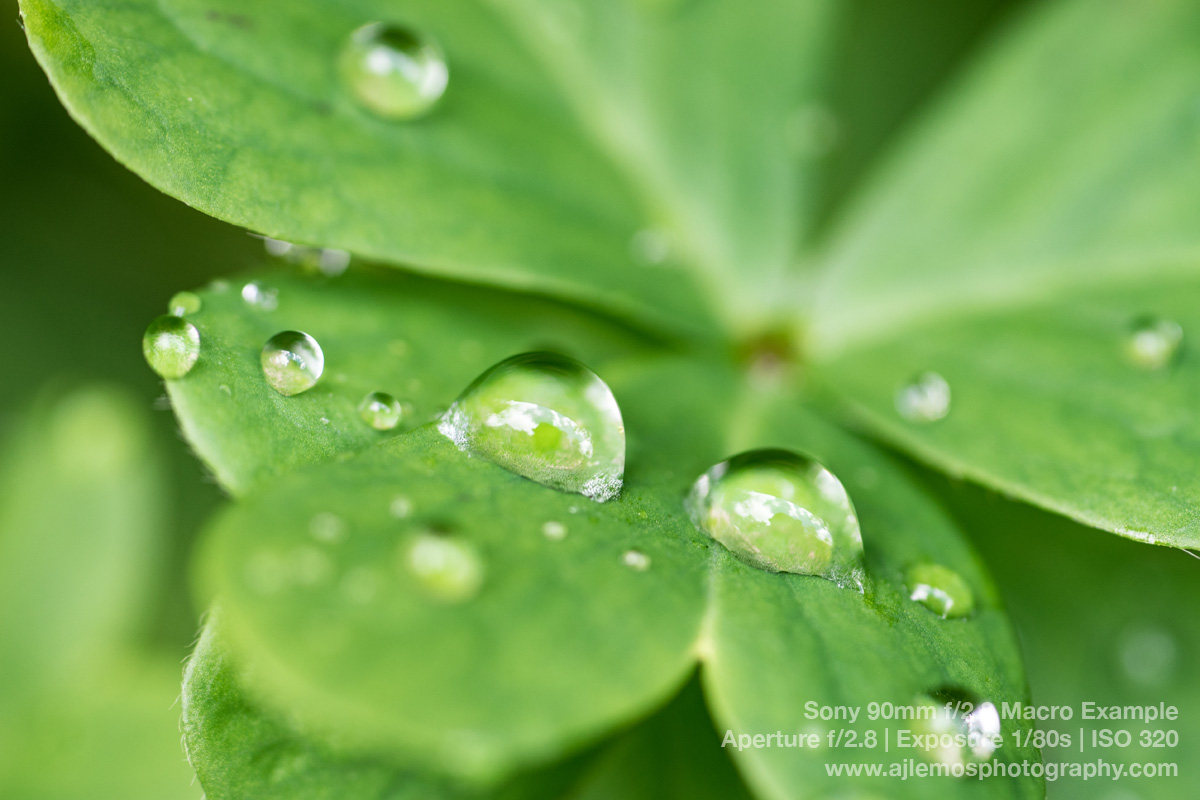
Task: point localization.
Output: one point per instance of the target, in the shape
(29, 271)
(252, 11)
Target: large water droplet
(380, 410)
(966, 730)
(941, 590)
(782, 512)
(926, 398)
(393, 70)
(171, 346)
(1153, 342)
(292, 362)
(446, 568)
(546, 417)
(184, 303)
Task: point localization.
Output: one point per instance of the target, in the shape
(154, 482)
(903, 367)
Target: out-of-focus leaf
(240, 752)
(674, 753)
(1101, 621)
(1012, 246)
(86, 712)
(1048, 405)
(80, 513)
(419, 340)
(777, 642)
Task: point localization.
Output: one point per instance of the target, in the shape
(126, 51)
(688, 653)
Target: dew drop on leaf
(941, 590)
(545, 417)
(183, 303)
(171, 346)
(380, 410)
(258, 296)
(445, 568)
(292, 362)
(393, 71)
(1153, 342)
(782, 512)
(926, 398)
(554, 530)
(636, 560)
(965, 729)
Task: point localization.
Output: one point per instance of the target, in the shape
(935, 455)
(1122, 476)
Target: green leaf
(1106, 629)
(1056, 206)
(74, 575)
(777, 643)
(419, 340)
(87, 708)
(674, 753)
(563, 641)
(238, 750)
(519, 177)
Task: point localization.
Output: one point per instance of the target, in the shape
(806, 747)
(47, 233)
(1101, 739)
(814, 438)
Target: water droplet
(782, 512)
(966, 730)
(184, 303)
(926, 398)
(393, 70)
(401, 507)
(171, 346)
(1153, 342)
(333, 262)
(546, 417)
(447, 568)
(554, 530)
(219, 286)
(380, 410)
(277, 247)
(1148, 655)
(292, 362)
(636, 560)
(650, 246)
(328, 528)
(941, 590)
(260, 297)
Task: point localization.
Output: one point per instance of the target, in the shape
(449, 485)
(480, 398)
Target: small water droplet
(572, 509)
(545, 417)
(926, 398)
(782, 512)
(636, 560)
(1153, 342)
(554, 530)
(226, 390)
(1147, 655)
(446, 568)
(219, 286)
(184, 303)
(941, 590)
(171, 346)
(394, 71)
(650, 246)
(380, 410)
(401, 507)
(260, 297)
(966, 730)
(292, 362)
(328, 528)
(277, 247)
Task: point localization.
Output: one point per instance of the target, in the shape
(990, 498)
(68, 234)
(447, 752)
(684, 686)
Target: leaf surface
(1011, 246)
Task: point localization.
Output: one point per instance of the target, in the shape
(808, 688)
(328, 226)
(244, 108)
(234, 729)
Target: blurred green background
(100, 500)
